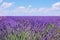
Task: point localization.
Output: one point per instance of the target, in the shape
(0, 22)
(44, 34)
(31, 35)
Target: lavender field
(30, 28)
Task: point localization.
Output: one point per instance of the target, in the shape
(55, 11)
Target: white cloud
(22, 7)
(54, 10)
(1, 1)
(3, 8)
(43, 10)
(56, 5)
(6, 5)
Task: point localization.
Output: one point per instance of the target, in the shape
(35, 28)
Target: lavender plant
(29, 28)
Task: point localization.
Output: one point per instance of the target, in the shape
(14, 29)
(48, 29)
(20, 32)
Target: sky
(29, 7)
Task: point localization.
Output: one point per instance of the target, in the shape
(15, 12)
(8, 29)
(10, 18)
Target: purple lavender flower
(45, 28)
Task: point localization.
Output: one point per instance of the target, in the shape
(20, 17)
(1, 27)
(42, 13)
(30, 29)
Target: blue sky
(30, 7)
(34, 3)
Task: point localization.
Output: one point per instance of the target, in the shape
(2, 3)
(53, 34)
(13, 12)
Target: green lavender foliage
(5, 38)
(39, 35)
(25, 35)
(22, 36)
(49, 27)
(12, 36)
(34, 36)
